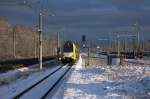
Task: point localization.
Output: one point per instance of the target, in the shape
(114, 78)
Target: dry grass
(5, 68)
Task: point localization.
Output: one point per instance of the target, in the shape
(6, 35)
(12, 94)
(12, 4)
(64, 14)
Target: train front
(68, 52)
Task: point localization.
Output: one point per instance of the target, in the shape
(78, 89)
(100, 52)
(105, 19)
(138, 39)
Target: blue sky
(73, 18)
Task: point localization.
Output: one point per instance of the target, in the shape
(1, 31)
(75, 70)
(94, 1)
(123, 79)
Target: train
(70, 52)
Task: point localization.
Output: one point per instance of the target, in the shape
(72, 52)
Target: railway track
(42, 88)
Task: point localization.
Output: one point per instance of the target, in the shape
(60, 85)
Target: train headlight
(59, 58)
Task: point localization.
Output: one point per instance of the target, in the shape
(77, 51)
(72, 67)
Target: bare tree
(5, 39)
(22, 42)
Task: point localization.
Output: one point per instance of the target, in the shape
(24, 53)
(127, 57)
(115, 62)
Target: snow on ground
(97, 55)
(105, 82)
(93, 82)
(14, 80)
(146, 57)
(145, 60)
(79, 63)
(7, 91)
(12, 75)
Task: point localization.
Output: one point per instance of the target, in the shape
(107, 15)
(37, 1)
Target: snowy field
(105, 82)
(92, 82)
(143, 61)
(13, 75)
(15, 81)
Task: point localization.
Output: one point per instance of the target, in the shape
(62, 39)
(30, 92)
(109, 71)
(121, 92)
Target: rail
(37, 84)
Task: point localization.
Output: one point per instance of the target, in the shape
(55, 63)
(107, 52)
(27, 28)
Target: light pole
(133, 36)
(40, 39)
(87, 46)
(109, 61)
(118, 45)
(14, 42)
(58, 45)
(104, 40)
(118, 38)
(98, 48)
(137, 33)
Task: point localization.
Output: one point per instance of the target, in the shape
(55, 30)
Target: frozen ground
(93, 82)
(97, 55)
(14, 81)
(12, 75)
(7, 91)
(105, 82)
(144, 61)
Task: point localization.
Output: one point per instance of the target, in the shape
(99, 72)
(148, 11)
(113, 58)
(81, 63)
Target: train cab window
(68, 47)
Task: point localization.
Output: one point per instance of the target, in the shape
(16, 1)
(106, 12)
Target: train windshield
(68, 47)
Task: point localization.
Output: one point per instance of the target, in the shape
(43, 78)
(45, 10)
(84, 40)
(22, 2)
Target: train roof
(70, 42)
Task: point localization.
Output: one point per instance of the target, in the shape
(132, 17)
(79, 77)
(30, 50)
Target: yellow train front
(70, 52)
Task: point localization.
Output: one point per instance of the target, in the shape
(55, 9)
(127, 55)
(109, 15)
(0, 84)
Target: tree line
(20, 41)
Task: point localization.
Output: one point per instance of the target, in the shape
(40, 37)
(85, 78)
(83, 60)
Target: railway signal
(83, 40)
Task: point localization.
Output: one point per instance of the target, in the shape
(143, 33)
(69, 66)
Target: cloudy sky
(73, 18)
